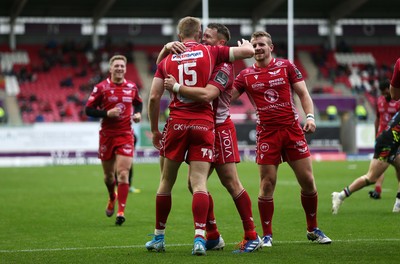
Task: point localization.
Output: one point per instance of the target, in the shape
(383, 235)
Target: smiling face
(263, 48)
(118, 70)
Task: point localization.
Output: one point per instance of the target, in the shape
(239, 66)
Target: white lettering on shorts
(227, 143)
(182, 127)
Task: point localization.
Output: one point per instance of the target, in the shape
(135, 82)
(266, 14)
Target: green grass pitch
(56, 214)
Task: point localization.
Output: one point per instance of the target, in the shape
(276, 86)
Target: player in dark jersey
(386, 152)
(118, 103)
(386, 108)
(270, 84)
(190, 132)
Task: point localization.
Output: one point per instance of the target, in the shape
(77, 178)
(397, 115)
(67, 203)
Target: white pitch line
(186, 245)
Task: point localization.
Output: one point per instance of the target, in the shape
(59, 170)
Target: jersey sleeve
(160, 70)
(222, 76)
(395, 82)
(137, 99)
(294, 73)
(239, 83)
(95, 98)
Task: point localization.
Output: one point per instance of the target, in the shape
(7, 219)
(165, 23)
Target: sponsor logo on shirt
(113, 98)
(257, 86)
(187, 55)
(126, 99)
(276, 82)
(279, 63)
(127, 92)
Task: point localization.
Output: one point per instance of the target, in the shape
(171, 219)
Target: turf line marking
(185, 245)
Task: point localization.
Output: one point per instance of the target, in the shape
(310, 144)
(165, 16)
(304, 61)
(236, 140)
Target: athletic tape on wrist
(176, 88)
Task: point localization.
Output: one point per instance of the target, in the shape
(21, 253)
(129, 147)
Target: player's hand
(244, 42)
(169, 82)
(114, 112)
(309, 127)
(136, 117)
(175, 47)
(157, 139)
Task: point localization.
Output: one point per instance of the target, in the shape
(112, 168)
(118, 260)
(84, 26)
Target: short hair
(261, 33)
(188, 26)
(222, 31)
(118, 57)
(384, 84)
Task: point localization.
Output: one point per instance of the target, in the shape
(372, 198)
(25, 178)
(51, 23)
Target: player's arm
(377, 120)
(137, 112)
(395, 82)
(244, 50)
(301, 90)
(395, 92)
(174, 47)
(235, 94)
(156, 92)
(198, 94)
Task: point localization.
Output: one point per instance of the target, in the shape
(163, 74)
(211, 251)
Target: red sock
(200, 204)
(163, 207)
(243, 205)
(310, 204)
(266, 208)
(123, 190)
(378, 188)
(211, 225)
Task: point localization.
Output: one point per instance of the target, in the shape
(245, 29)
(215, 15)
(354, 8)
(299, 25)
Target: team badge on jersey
(298, 73)
(221, 78)
(271, 95)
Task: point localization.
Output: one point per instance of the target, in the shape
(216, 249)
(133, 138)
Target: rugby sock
(243, 205)
(163, 207)
(310, 204)
(266, 209)
(211, 225)
(378, 189)
(346, 192)
(123, 190)
(200, 204)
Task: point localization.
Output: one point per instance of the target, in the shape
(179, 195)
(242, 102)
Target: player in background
(386, 108)
(189, 134)
(270, 84)
(386, 152)
(118, 103)
(219, 91)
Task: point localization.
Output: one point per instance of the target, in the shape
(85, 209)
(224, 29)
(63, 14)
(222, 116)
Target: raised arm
(174, 47)
(244, 50)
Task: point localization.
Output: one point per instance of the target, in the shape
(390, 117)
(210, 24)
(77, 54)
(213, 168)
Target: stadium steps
(142, 66)
(11, 102)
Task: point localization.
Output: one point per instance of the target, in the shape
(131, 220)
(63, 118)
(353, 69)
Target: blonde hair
(118, 57)
(261, 33)
(189, 27)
